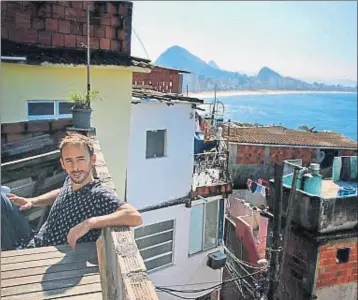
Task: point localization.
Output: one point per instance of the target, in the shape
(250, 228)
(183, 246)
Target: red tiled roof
(278, 135)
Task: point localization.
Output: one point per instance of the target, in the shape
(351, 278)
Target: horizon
(283, 36)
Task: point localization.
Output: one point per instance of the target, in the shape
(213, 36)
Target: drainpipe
(14, 58)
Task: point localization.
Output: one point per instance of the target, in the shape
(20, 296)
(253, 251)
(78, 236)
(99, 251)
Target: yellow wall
(111, 116)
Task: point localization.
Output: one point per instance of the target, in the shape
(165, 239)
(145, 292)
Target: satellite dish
(320, 157)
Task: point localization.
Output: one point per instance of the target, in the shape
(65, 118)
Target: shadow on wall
(240, 173)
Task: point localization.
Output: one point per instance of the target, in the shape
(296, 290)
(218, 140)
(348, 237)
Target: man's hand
(23, 203)
(77, 232)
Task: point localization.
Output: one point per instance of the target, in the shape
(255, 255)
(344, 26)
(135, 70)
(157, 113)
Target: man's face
(77, 162)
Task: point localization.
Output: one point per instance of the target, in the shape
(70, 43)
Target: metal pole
(88, 57)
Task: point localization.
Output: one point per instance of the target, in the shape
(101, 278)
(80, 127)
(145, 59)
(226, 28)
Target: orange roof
(278, 135)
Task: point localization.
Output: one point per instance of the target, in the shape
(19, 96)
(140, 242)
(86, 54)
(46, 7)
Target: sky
(307, 40)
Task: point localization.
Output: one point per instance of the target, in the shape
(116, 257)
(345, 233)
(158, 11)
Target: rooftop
(279, 135)
(141, 93)
(37, 55)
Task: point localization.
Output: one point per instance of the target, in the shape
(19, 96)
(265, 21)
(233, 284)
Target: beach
(210, 94)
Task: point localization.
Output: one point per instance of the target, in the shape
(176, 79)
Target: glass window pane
(41, 108)
(158, 262)
(155, 143)
(65, 108)
(196, 229)
(211, 225)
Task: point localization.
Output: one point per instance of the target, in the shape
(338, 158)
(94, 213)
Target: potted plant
(81, 110)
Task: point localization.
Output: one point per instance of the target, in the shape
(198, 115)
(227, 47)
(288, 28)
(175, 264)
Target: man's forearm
(127, 215)
(45, 199)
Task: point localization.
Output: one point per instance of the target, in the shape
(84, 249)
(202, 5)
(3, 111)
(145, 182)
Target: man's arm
(126, 215)
(27, 203)
(45, 199)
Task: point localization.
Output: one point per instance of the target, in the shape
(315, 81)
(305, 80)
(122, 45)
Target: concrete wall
(253, 198)
(299, 270)
(185, 269)
(323, 215)
(20, 83)
(156, 180)
(337, 281)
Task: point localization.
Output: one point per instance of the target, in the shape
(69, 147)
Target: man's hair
(73, 138)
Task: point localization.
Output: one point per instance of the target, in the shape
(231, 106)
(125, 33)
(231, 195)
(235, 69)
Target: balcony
(211, 175)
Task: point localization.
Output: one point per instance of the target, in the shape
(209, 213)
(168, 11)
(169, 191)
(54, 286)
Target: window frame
(56, 112)
(164, 143)
(217, 243)
(173, 230)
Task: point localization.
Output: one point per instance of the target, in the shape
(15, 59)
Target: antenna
(88, 57)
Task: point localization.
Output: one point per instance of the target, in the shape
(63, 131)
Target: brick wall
(159, 79)
(348, 153)
(332, 273)
(63, 23)
(251, 154)
(247, 154)
(12, 132)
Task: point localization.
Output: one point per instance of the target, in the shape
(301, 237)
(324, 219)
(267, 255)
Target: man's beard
(79, 177)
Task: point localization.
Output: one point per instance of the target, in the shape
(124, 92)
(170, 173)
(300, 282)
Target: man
(79, 209)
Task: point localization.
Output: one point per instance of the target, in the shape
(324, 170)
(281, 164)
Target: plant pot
(81, 117)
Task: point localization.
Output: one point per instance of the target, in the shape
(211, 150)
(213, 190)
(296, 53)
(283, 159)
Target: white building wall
(155, 180)
(188, 271)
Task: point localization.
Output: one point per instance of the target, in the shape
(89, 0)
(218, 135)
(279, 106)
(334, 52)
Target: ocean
(332, 111)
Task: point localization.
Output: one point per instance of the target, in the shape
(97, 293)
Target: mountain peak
(265, 74)
(213, 64)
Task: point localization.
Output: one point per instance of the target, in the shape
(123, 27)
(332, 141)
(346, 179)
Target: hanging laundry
(253, 186)
(266, 184)
(249, 183)
(260, 189)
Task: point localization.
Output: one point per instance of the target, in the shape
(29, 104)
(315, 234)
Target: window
(39, 110)
(204, 226)
(156, 140)
(155, 244)
(342, 255)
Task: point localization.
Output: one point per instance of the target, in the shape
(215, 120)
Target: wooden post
(289, 212)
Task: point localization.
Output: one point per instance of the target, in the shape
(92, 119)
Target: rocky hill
(204, 76)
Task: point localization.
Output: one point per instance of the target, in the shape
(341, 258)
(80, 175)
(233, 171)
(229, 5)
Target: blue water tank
(313, 180)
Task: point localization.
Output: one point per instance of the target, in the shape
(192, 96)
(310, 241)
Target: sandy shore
(261, 92)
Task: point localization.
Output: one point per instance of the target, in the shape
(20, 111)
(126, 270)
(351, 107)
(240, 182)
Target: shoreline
(210, 94)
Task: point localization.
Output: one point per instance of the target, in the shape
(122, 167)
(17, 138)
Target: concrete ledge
(123, 273)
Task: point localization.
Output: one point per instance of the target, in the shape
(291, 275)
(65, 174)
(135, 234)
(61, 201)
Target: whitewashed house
(174, 241)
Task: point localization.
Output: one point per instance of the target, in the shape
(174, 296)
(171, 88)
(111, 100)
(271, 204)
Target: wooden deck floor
(51, 273)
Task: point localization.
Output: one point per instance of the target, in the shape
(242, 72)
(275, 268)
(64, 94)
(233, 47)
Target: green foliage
(82, 100)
